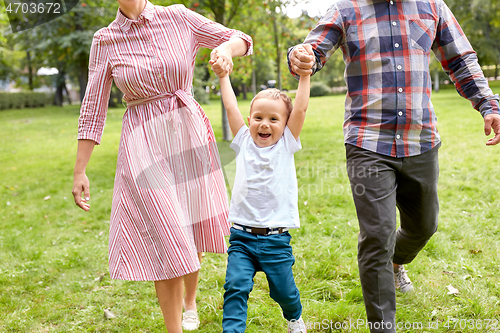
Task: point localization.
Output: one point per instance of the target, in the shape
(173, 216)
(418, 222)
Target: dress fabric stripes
(169, 198)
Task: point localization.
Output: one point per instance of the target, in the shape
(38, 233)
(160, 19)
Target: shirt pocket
(422, 34)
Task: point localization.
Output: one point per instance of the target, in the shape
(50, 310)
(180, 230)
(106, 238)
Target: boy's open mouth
(264, 135)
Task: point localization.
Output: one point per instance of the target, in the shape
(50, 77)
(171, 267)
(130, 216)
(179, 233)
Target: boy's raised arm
(296, 119)
(231, 104)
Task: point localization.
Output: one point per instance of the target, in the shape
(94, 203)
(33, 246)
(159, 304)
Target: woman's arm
(80, 180)
(222, 56)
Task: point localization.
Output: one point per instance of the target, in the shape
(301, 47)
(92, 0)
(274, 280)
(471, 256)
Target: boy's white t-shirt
(265, 191)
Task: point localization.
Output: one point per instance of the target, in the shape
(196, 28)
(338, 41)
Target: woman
(169, 199)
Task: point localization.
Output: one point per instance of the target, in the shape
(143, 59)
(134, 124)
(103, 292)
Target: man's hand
(492, 121)
(302, 59)
(221, 61)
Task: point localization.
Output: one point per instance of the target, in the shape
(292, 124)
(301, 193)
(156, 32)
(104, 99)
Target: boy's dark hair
(275, 94)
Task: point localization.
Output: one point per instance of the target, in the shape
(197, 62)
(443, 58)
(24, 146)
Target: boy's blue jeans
(247, 254)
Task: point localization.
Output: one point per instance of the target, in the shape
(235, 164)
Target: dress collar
(125, 23)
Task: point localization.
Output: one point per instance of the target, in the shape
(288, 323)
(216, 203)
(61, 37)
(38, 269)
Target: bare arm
(80, 180)
(298, 114)
(222, 56)
(231, 104)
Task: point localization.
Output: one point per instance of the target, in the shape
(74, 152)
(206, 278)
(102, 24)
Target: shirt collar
(125, 23)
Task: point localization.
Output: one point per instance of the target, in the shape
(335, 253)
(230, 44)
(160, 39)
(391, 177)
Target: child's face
(267, 121)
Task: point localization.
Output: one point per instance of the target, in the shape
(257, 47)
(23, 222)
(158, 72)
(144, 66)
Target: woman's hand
(81, 184)
(221, 60)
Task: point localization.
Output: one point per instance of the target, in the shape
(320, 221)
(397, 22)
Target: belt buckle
(260, 231)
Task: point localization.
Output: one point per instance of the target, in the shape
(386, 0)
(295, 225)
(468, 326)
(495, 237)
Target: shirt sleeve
(211, 34)
(291, 145)
(459, 61)
(325, 39)
(95, 102)
(238, 138)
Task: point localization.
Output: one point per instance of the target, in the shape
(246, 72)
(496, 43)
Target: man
(390, 126)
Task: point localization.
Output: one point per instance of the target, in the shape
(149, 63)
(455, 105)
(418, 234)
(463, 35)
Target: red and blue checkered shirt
(386, 46)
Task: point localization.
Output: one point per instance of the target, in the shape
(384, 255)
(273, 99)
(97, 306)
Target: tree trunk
(244, 89)
(65, 88)
(254, 82)
(30, 70)
(278, 49)
(83, 77)
(226, 130)
(496, 72)
(436, 81)
(60, 83)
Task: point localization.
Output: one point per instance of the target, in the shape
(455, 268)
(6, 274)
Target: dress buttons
(400, 89)
(399, 67)
(396, 45)
(394, 23)
(400, 113)
(398, 136)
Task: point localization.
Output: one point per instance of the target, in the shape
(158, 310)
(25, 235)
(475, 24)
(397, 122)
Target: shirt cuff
(90, 136)
(490, 106)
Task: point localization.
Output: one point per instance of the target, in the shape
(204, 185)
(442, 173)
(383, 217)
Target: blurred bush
(24, 100)
(319, 89)
(200, 95)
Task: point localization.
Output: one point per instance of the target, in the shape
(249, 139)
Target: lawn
(53, 256)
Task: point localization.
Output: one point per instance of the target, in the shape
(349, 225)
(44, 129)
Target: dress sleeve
(95, 102)
(211, 34)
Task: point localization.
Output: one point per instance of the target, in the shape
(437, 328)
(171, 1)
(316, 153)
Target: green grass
(53, 256)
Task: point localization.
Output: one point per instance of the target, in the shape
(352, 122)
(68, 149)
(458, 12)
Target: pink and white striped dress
(169, 199)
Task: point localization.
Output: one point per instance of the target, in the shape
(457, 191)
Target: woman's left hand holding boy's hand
(222, 61)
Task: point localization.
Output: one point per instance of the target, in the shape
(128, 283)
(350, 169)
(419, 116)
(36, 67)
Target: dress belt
(199, 143)
(181, 94)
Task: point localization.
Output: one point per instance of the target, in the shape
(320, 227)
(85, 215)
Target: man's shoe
(190, 320)
(297, 326)
(401, 280)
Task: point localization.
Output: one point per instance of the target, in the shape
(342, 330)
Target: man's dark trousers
(379, 184)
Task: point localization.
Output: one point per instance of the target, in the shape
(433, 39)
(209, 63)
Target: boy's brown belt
(260, 231)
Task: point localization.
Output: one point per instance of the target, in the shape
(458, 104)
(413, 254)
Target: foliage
(23, 100)
(319, 88)
(480, 22)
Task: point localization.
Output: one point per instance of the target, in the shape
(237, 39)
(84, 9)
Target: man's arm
(231, 104)
(323, 40)
(459, 61)
(296, 120)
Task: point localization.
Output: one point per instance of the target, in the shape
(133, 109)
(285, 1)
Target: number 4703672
(453, 323)
(34, 8)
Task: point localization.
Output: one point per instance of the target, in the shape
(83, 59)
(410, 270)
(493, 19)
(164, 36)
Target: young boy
(264, 202)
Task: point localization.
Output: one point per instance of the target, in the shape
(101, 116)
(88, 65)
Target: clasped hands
(301, 60)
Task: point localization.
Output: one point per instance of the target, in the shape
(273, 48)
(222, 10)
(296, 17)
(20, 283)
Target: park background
(53, 257)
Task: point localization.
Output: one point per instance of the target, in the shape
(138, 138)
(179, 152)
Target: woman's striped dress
(169, 199)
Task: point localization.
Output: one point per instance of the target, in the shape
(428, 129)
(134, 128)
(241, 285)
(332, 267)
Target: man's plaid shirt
(386, 46)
